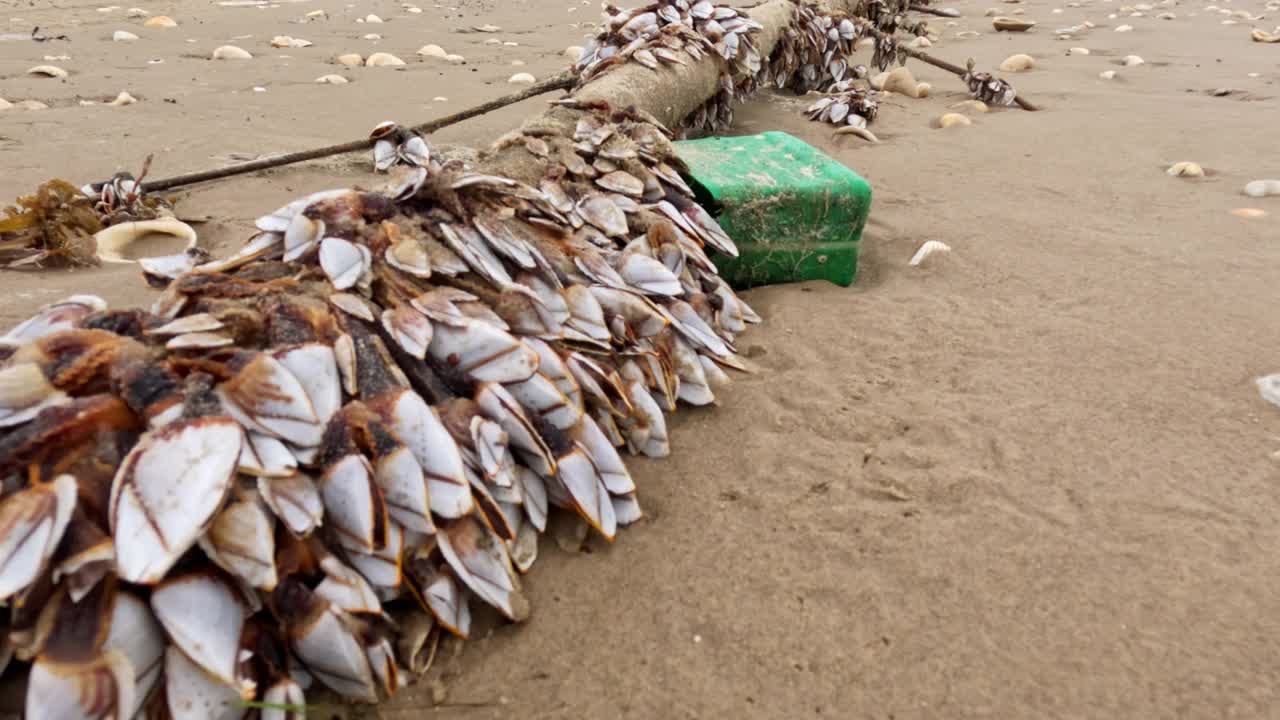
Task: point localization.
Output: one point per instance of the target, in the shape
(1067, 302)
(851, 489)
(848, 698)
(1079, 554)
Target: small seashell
(900, 80)
(573, 52)
(124, 98)
(1125, 28)
(281, 41)
(488, 29)
(1132, 61)
(439, 98)
(522, 79)
(1166, 16)
(861, 132)
(1009, 24)
(30, 105)
(259, 88)
(1107, 74)
(123, 36)
(455, 59)
(332, 80)
(517, 63)
(231, 52)
(433, 51)
(1185, 168)
(1017, 63)
(371, 18)
(136, 12)
(414, 10)
(952, 120)
(317, 15)
(929, 248)
(510, 43)
(383, 60)
(967, 34)
(493, 41)
(971, 105)
(992, 12)
(52, 71)
(371, 36)
(160, 21)
(1078, 51)
(1249, 213)
(1263, 36)
(350, 60)
(5, 104)
(1262, 188)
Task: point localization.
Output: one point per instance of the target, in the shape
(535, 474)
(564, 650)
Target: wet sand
(1030, 478)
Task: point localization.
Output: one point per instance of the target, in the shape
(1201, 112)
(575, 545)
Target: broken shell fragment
(52, 71)
(350, 60)
(1185, 169)
(1249, 213)
(1107, 74)
(123, 36)
(1009, 24)
(1132, 61)
(124, 98)
(114, 240)
(160, 21)
(522, 79)
(1017, 63)
(1263, 36)
(332, 79)
(231, 52)
(861, 132)
(929, 248)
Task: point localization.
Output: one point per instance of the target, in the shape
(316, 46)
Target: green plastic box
(794, 213)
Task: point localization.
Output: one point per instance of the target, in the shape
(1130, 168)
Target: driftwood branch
(562, 81)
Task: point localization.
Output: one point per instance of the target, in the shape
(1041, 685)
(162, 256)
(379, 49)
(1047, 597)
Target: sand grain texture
(1029, 478)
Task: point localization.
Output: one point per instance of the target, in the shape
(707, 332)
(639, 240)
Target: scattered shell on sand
(573, 52)
(493, 41)
(971, 106)
(123, 36)
(160, 21)
(1132, 61)
(1166, 16)
(992, 12)
(1010, 24)
(383, 60)
(439, 98)
(5, 104)
(861, 132)
(455, 59)
(317, 15)
(510, 43)
(372, 36)
(124, 98)
(1249, 213)
(350, 60)
(1018, 63)
(136, 12)
(964, 35)
(1107, 74)
(522, 79)
(371, 18)
(284, 41)
(1078, 51)
(488, 28)
(901, 81)
(432, 51)
(1186, 168)
(952, 120)
(414, 10)
(332, 79)
(517, 63)
(929, 248)
(231, 52)
(30, 105)
(1125, 28)
(52, 71)
(1262, 188)
(1263, 36)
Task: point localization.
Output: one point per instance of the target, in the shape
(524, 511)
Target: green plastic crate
(794, 213)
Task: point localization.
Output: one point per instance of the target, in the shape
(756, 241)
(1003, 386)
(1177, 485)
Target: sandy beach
(1030, 478)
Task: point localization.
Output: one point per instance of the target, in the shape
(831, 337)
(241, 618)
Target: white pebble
(1262, 188)
(124, 98)
(433, 51)
(317, 15)
(231, 52)
(332, 80)
(123, 36)
(52, 71)
(522, 79)
(383, 60)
